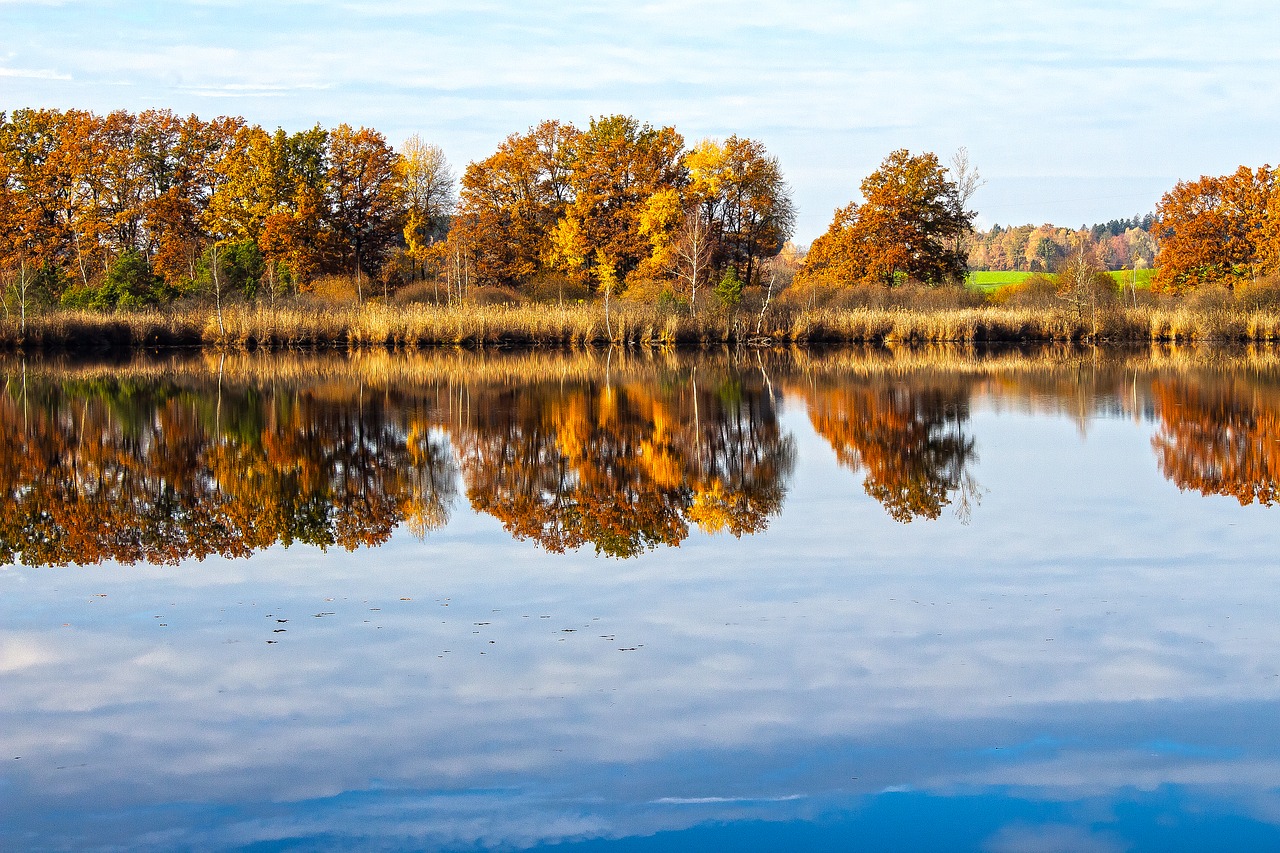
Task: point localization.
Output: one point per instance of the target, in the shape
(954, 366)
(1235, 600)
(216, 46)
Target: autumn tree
(364, 199)
(683, 243)
(295, 234)
(510, 204)
(618, 164)
(427, 183)
(742, 188)
(37, 191)
(733, 209)
(906, 225)
(180, 159)
(1216, 230)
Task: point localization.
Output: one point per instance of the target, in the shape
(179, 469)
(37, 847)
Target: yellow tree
(618, 165)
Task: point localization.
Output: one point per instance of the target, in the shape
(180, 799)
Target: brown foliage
(1216, 230)
(907, 226)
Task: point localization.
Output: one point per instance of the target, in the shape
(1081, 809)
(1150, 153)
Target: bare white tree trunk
(217, 293)
(22, 295)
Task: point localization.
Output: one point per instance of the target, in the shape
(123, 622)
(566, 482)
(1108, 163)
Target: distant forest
(1118, 244)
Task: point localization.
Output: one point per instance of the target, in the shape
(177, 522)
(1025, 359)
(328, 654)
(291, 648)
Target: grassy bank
(991, 280)
(531, 325)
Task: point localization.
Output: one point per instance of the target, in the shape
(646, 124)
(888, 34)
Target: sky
(1074, 112)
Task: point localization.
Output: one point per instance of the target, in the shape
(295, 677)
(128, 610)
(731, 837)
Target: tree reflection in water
(1219, 435)
(157, 472)
(909, 434)
(228, 456)
(627, 466)
(160, 470)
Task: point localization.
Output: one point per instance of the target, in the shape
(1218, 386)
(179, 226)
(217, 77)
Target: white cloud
(33, 74)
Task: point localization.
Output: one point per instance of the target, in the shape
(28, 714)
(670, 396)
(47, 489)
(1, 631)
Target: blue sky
(1074, 111)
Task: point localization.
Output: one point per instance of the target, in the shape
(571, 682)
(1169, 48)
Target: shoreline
(375, 326)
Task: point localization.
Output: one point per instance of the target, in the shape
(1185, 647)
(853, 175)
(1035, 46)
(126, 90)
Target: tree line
(619, 205)
(1118, 244)
(132, 209)
(125, 209)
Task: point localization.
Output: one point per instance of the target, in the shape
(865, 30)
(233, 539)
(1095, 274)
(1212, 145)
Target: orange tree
(907, 225)
(1216, 230)
(619, 164)
(510, 203)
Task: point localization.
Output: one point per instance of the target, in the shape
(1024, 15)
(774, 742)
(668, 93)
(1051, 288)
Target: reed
(530, 325)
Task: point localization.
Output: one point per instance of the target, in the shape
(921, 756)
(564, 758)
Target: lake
(912, 599)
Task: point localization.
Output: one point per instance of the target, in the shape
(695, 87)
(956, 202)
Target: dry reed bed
(377, 326)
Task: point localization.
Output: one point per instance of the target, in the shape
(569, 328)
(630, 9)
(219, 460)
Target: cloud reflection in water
(1093, 654)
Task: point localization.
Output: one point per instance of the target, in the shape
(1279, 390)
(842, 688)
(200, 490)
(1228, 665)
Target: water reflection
(226, 460)
(132, 470)
(1099, 673)
(160, 461)
(908, 434)
(1220, 435)
(627, 466)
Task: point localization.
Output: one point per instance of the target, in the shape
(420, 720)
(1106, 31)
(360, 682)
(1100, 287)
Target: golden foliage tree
(619, 164)
(510, 204)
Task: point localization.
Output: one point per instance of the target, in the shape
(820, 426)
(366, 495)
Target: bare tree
(427, 181)
(216, 279)
(692, 254)
(17, 287)
(968, 181)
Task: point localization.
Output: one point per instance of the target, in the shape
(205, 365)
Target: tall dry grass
(299, 326)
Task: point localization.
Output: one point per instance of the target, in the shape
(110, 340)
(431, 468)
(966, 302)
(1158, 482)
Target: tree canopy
(1219, 230)
(621, 202)
(905, 227)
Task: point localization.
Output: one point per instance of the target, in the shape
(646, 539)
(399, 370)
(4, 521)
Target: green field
(990, 280)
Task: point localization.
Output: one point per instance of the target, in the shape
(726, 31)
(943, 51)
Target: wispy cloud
(33, 74)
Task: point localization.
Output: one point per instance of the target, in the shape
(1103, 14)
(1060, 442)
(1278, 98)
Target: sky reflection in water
(1071, 643)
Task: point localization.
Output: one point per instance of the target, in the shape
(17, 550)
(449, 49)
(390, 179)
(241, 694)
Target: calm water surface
(911, 600)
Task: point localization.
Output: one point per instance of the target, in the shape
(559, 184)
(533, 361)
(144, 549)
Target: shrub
(1260, 295)
(333, 290)
(557, 287)
(420, 293)
(130, 283)
(491, 295)
(1035, 291)
(1209, 298)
